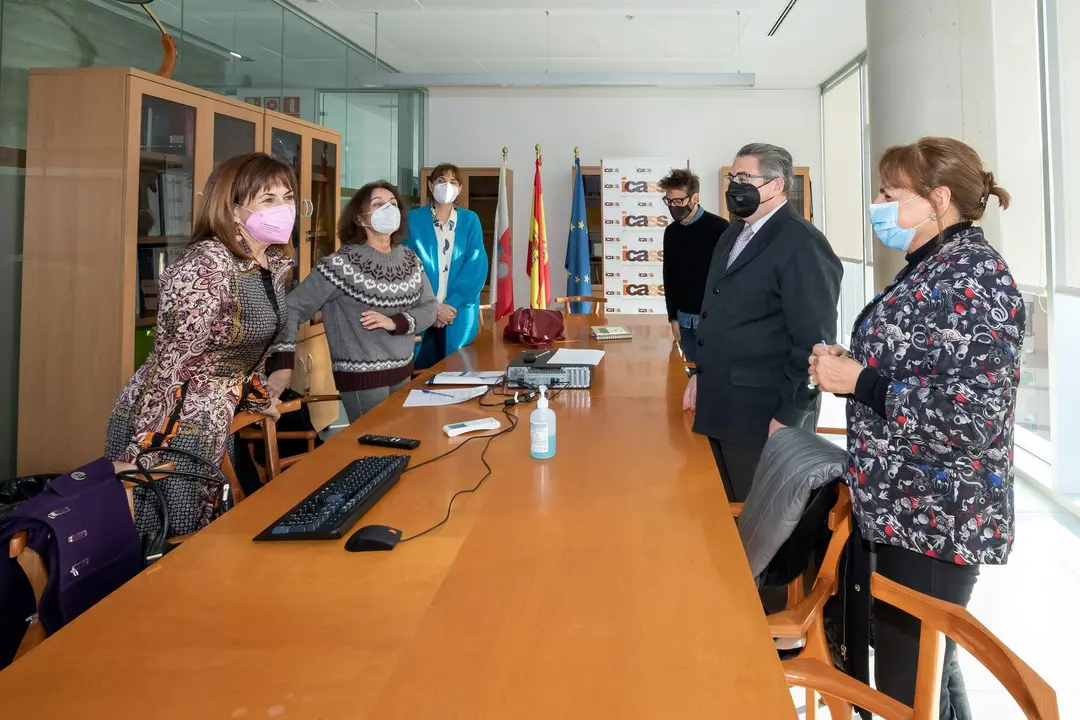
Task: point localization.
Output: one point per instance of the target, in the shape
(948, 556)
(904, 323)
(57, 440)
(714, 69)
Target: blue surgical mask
(885, 217)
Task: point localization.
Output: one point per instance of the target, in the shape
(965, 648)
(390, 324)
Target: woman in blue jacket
(450, 244)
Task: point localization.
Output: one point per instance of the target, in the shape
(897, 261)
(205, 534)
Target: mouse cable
(513, 419)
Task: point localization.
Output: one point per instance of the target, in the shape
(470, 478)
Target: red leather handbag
(534, 327)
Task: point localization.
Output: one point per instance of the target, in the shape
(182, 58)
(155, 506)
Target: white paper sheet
(443, 396)
(486, 377)
(564, 356)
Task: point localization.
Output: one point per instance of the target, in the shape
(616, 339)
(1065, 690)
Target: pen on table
(546, 352)
(440, 394)
(813, 385)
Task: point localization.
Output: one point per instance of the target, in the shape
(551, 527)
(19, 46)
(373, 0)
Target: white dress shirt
(756, 227)
(747, 235)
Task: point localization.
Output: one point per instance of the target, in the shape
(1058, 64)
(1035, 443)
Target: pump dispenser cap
(542, 403)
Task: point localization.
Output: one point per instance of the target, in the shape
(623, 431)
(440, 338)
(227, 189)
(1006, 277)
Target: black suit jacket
(759, 322)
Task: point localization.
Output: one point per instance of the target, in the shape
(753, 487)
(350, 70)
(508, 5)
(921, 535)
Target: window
(844, 151)
(1021, 231)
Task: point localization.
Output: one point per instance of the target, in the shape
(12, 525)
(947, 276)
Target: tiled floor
(1031, 604)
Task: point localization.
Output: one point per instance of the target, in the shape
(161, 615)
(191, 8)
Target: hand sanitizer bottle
(542, 428)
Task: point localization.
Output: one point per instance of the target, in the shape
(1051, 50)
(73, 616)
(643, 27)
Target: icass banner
(635, 218)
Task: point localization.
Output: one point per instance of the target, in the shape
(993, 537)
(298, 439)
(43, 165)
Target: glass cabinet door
(232, 136)
(166, 204)
(288, 146)
(324, 185)
(797, 196)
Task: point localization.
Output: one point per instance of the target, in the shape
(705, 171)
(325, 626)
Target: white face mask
(386, 220)
(445, 193)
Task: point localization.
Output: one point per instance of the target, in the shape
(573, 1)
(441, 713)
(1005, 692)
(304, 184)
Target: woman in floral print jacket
(220, 306)
(931, 381)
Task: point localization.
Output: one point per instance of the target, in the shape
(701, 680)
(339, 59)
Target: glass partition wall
(257, 51)
(845, 147)
(383, 135)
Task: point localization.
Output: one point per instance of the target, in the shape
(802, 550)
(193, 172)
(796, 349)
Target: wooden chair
(1035, 697)
(804, 619)
(480, 310)
(736, 508)
(241, 422)
(268, 433)
(597, 304)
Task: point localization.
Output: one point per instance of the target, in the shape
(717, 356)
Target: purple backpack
(81, 526)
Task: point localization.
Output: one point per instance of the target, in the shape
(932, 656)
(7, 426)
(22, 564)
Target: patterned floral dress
(932, 468)
(217, 315)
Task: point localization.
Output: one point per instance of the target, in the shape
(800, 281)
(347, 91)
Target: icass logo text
(641, 221)
(642, 290)
(640, 186)
(642, 256)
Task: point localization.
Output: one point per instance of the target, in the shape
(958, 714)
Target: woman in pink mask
(220, 306)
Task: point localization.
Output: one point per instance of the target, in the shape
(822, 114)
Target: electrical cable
(505, 404)
(144, 476)
(513, 419)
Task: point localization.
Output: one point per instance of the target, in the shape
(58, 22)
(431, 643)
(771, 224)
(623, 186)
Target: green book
(605, 332)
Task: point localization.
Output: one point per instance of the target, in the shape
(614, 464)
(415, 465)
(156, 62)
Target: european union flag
(578, 280)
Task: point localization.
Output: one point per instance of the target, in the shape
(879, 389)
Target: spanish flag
(537, 264)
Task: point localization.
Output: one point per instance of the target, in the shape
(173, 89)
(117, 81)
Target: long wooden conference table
(606, 582)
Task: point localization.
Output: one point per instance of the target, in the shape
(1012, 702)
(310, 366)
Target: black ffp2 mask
(743, 199)
(679, 213)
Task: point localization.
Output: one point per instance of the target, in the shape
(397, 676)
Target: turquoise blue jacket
(468, 269)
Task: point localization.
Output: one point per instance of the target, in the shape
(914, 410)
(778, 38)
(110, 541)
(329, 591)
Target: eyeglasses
(677, 202)
(745, 178)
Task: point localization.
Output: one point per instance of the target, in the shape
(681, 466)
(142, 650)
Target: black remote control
(389, 442)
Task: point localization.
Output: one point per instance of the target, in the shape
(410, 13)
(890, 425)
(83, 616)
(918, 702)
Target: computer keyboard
(329, 512)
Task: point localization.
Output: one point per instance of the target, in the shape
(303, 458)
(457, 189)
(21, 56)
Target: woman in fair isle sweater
(374, 297)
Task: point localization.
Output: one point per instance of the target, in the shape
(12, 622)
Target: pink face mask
(272, 226)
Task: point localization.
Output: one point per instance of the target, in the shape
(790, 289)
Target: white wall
(470, 126)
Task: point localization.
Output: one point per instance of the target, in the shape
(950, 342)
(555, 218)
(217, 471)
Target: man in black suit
(771, 295)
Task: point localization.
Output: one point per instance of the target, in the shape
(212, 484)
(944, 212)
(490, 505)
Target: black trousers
(737, 462)
(896, 634)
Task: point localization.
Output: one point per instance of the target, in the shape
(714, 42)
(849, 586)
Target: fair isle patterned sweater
(347, 284)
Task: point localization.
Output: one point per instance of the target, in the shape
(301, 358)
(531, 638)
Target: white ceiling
(676, 36)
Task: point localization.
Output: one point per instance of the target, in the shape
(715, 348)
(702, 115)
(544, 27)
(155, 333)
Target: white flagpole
(501, 223)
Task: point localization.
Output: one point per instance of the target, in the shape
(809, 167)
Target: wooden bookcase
(799, 196)
(480, 193)
(115, 161)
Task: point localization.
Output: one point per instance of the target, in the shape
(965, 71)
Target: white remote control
(460, 428)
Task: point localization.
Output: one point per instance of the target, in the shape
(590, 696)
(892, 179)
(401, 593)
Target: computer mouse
(373, 537)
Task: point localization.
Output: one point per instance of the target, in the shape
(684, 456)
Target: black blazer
(759, 322)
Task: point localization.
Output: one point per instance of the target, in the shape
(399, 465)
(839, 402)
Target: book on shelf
(607, 332)
(153, 206)
(176, 203)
